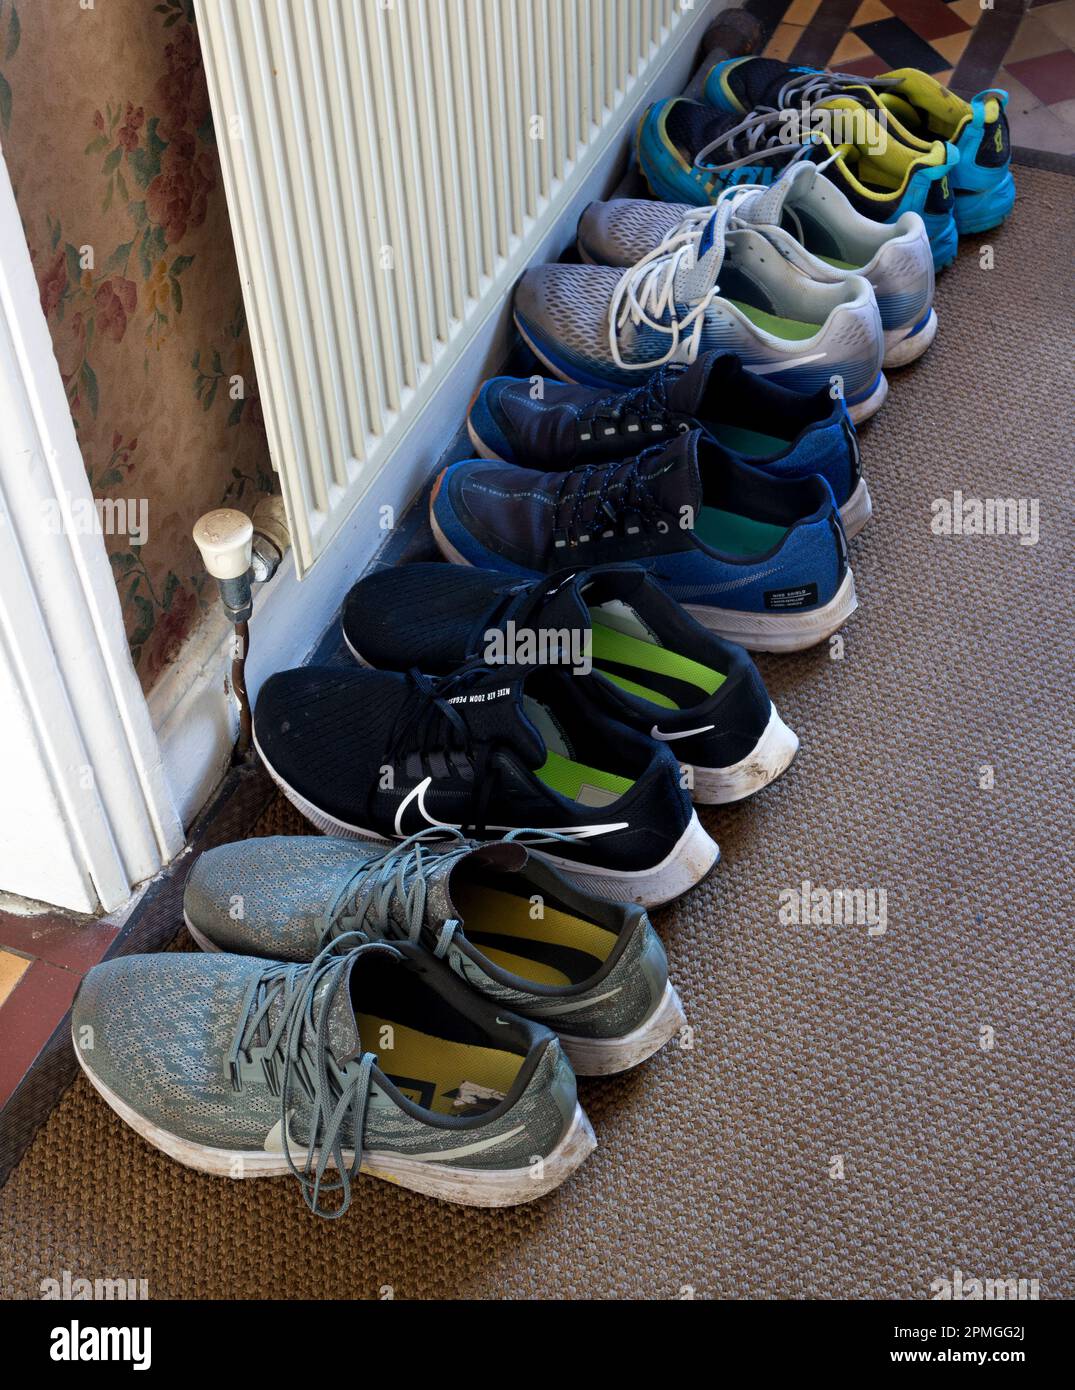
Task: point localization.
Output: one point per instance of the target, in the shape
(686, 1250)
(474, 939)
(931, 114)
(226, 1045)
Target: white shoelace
(646, 292)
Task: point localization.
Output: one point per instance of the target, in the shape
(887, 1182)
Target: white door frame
(87, 811)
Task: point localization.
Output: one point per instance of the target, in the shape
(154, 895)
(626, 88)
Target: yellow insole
(430, 1070)
(494, 912)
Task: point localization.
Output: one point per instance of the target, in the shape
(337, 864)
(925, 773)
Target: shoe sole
(911, 347)
(686, 864)
(472, 1187)
(771, 756)
(862, 410)
(780, 632)
(607, 1056)
(857, 510)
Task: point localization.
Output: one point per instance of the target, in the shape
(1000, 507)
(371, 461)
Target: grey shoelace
(293, 1054)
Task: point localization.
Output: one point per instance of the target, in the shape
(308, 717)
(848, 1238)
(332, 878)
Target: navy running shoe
(654, 667)
(489, 750)
(783, 432)
(761, 561)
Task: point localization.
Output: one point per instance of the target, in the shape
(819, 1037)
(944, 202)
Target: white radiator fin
(382, 159)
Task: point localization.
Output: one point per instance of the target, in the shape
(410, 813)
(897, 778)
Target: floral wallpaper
(108, 138)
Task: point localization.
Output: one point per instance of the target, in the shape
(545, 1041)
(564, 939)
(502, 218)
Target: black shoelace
(642, 411)
(608, 499)
(431, 729)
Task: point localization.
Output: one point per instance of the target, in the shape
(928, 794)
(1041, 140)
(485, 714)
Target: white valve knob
(224, 538)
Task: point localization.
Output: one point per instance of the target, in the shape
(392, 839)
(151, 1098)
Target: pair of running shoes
(810, 257)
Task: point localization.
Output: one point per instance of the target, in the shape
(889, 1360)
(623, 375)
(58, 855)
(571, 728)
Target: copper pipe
(238, 685)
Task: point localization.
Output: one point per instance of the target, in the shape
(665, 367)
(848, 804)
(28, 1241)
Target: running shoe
(759, 421)
(919, 110)
(654, 666)
(690, 153)
(375, 1059)
(760, 561)
(380, 755)
(509, 925)
(814, 228)
(713, 288)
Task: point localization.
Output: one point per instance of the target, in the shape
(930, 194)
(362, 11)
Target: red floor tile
(57, 939)
(28, 1018)
(866, 67)
(1051, 77)
(930, 19)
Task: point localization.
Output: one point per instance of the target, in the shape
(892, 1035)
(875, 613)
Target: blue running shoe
(759, 421)
(690, 153)
(713, 287)
(918, 110)
(760, 561)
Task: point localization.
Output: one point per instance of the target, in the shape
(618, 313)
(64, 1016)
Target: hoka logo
(944, 188)
(998, 139)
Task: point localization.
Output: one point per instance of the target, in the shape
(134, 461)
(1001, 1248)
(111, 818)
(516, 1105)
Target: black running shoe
(488, 750)
(782, 432)
(654, 667)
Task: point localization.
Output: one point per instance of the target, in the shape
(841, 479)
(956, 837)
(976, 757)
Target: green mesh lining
(751, 442)
(840, 265)
(643, 692)
(736, 535)
(609, 644)
(773, 323)
(568, 777)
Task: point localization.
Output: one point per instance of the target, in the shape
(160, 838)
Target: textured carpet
(930, 1064)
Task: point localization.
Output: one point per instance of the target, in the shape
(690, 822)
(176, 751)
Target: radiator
(386, 162)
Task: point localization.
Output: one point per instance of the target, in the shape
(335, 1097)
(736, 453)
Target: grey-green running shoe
(502, 919)
(375, 1058)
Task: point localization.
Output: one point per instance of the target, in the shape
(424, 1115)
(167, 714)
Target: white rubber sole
(472, 1187)
(857, 510)
(199, 938)
(780, 632)
(771, 756)
(902, 350)
(607, 1056)
(862, 410)
(693, 855)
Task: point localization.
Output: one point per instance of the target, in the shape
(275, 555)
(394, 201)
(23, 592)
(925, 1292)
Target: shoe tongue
(759, 81)
(688, 390)
(493, 711)
(671, 476)
(697, 274)
(766, 207)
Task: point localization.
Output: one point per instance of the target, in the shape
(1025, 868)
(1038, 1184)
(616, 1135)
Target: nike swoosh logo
(668, 738)
(417, 795)
(442, 1155)
(274, 1140)
(774, 367)
(574, 832)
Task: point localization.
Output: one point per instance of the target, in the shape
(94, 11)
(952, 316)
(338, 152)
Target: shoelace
(398, 875)
(759, 133)
(611, 494)
(815, 86)
(643, 409)
(646, 294)
(432, 728)
(293, 1054)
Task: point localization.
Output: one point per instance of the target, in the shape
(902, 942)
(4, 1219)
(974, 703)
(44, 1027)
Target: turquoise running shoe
(690, 153)
(375, 1059)
(918, 110)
